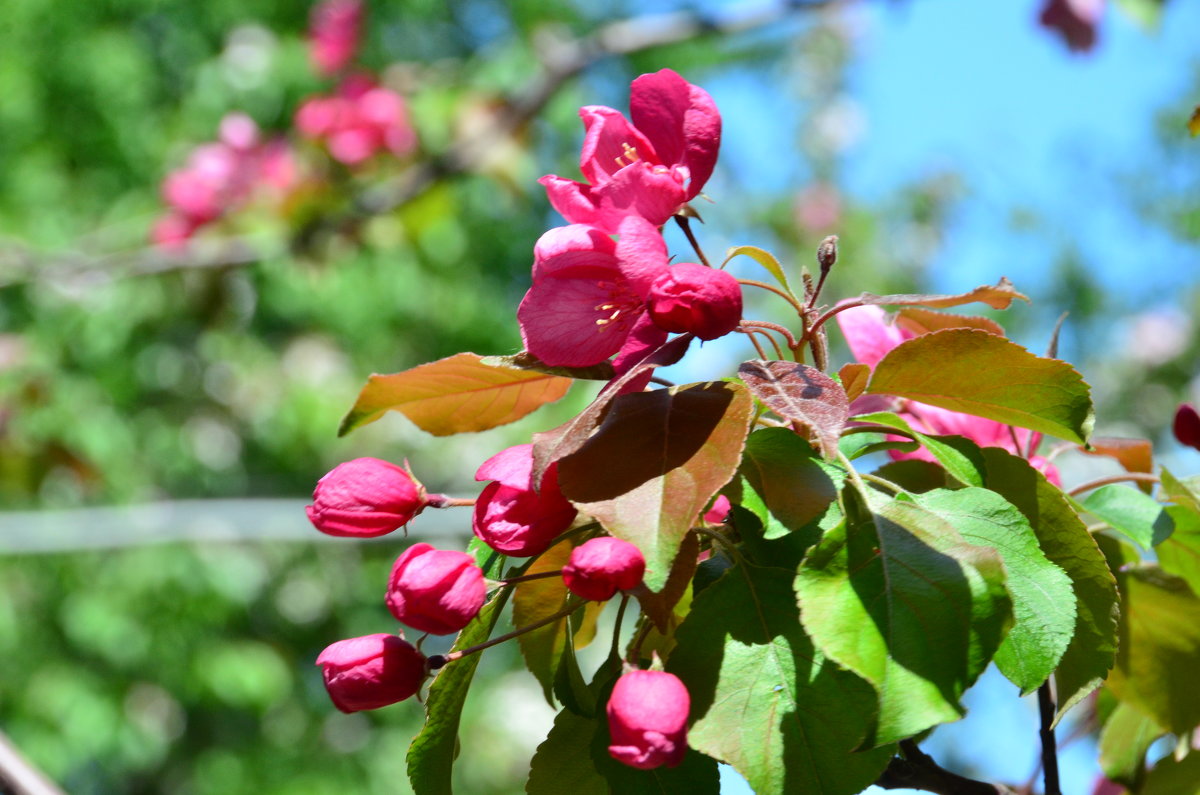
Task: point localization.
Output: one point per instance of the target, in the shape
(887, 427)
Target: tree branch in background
(562, 60)
(917, 770)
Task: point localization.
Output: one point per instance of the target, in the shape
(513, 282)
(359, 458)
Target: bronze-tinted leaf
(854, 379)
(997, 296)
(923, 321)
(458, 394)
(803, 395)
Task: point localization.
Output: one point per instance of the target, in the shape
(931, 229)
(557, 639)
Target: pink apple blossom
(510, 515)
(689, 297)
(364, 498)
(370, 672)
(435, 590)
(589, 292)
(358, 121)
(649, 168)
(600, 567)
(647, 719)
(333, 34)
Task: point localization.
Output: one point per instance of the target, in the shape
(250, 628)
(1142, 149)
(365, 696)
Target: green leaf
(1127, 735)
(1180, 554)
(1043, 602)
(764, 258)
(988, 376)
(792, 486)
(1184, 493)
(1067, 543)
(764, 700)
(431, 753)
(915, 475)
(897, 596)
(458, 394)
(802, 395)
(1160, 646)
(655, 462)
(1170, 776)
(536, 600)
(1140, 518)
(1147, 13)
(959, 456)
(574, 759)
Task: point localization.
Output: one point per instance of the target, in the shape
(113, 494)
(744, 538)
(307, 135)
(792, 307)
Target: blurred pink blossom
(335, 27)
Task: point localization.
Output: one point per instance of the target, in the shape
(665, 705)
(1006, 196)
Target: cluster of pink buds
(221, 176)
(358, 121)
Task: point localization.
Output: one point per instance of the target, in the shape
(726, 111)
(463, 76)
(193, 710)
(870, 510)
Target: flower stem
(791, 299)
(778, 329)
(541, 575)
(615, 652)
(445, 501)
(1140, 477)
(438, 660)
(686, 225)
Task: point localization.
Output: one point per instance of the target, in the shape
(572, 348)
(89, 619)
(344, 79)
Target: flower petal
(682, 122)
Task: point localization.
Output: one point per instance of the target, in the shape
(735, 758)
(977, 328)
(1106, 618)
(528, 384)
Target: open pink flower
(648, 168)
(870, 337)
(510, 515)
(589, 292)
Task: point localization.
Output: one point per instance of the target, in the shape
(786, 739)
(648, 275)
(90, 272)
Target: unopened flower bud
(827, 253)
(719, 511)
(647, 719)
(1187, 426)
(690, 297)
(364, 498)
(371, 672)
(435, 590)
(510, 515)
(598, 568)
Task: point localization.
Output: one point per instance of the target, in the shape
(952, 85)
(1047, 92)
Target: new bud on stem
(434, 590)
(598, 568)
(364, 498)
(1187, 426)
(371, 672)
(647, 719)
(691, 297)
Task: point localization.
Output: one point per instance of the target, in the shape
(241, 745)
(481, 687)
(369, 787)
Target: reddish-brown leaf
(1135, 455)
(923, 321)
(997, 296)
(458, 394)
(655, 462)
(803, 395)
(855, 376)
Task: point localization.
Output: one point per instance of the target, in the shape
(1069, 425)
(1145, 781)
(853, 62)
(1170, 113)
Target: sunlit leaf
(897, 596)
(655, 462)
(1043, 602)
(1180, 554)
(1160, 644)
(1171, 776)
(1127, 735)
(458, 394)
(527, 361)
(1068, 544)
(855, 376)
(997, 296)
(536, 600)
(659, 606)
(1131, 513)
(549, 446)
(959, 456)
(432, 752)
(764, 258)
(988, 376)
(764, 700)
(792, 484)
(1193, 124)
(923, 321)
(800, 394)
(1184, 493)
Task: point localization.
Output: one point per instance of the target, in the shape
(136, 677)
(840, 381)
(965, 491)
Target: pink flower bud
(1187, 426)
(435, 590)
(647, 719)
(334, 30)
(371, 672)
(598, 568)
(510, 516)
(364, 498)
(719, 511)
(691, 297)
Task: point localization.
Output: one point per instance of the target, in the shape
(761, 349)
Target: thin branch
(779, 292)
(1046, 735)
(562, 60)
(917, 770)
(685, 224)
(1141, 477)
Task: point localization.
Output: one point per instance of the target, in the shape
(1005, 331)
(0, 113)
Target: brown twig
(1141, 477)
(917, 770)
